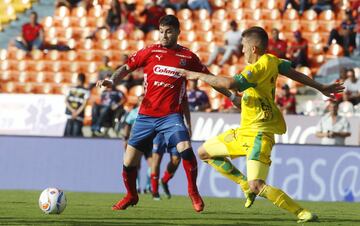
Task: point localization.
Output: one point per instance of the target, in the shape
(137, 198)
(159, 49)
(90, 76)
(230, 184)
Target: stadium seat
(217, 4)
(290, 14)
(95, 11)
(201, 14)
(188, 36)
(252, 4)
(234, 4)
(237, 15)
(8, 87)
(219, 14)
(153, 36)
(272, 4)
(309, 26)
(335, 50)
(327, 26)
(170, 11)
(78, 12)
(216, 103)
(137, 35)
(327, 15)
(61, 12)
(187, 25)
(291, 25)
(184, 14)
(271, 14)
(207, 36)
(205, 25)
(309, 14)
(120, 34)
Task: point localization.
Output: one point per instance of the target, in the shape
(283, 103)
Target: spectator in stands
(357, 42)
(321, 5)
(110, 101)
(298, 50)
(228, 107)
(299, 5)
(332, 128)
(199, 4)
(32, 36)
(198, 99)
(76, 101)
(352, 85)
(346, 108)
(113, 18)
(130, 21)
(286, 101)
(74, 3)
(277, 46)
(105, 70)
(174, 4)
(232, 45)
(152, 12)
(344, 35)
(342, 78)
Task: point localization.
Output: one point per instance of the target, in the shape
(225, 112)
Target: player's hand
(105, 83)
(188, 74)
(330, 90)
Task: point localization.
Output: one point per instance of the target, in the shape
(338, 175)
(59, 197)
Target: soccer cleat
(197, 202)
(165, 187)
(250, 199)
(125, 203)
(306, 216)
(156, 196)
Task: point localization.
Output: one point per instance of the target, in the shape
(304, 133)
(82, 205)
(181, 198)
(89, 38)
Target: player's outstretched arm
(215, 81)
(327, 90)
(220, 84)
(116, 77)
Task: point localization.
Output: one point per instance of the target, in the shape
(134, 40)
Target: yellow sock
(280, 199)
(224, 166)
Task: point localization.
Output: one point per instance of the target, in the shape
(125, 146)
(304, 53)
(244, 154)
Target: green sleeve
(242, 84)
(284, 67)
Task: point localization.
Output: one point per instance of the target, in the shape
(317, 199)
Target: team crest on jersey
(249, 73)
(182, 62)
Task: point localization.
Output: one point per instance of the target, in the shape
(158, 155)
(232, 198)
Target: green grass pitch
(21, 208)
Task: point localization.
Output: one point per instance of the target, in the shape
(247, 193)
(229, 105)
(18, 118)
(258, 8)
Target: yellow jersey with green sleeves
(258, 82)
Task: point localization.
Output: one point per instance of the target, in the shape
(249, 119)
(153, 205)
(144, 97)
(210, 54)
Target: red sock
(167, 176)
(190, 167)
(129, 177)
(155, 183)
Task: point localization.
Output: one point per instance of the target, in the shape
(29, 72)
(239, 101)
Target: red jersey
(281, 45)
(164, 88)
(30, 32)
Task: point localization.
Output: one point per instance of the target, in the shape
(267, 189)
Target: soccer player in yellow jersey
(260, 120)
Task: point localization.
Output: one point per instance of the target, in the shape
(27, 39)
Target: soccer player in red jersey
(160, 110)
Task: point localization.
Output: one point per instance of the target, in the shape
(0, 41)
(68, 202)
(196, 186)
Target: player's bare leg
(190, 167)
(280, 198)
(221, 164)
(155, 170)
(169, 173)
(132, 157)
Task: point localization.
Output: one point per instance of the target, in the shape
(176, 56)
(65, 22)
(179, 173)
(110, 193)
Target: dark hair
(350, 70)
(259, 34)
(81, 77)
(170, 20)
